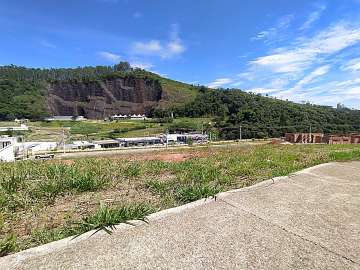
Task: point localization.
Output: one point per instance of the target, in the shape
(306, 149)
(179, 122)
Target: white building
(7, 149)
(65, 118)
(22, 127)
(35, 147)
(83, 145)
(130, 117)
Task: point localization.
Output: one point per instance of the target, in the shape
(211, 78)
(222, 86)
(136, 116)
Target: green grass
(97, 130)
(177, 92)
(8, 244)
(29, 189)
(106, 218)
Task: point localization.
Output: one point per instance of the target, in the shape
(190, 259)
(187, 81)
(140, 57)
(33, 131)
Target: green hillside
(22, 94)
(23, 90)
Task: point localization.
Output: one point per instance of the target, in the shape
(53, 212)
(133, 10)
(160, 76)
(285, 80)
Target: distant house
(118, 117)
(21, 121)
(130, 117)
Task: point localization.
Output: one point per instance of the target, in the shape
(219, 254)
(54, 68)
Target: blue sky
(296, 50)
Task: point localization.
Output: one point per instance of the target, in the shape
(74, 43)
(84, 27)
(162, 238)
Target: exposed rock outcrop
(98, 99)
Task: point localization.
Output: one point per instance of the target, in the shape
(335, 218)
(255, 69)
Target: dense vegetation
(21, 99)
(23, 92)
(264, 116)
(38, 74)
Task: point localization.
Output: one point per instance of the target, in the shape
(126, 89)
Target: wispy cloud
(47, 44)
(313, 17)
(305, 68)
(142, 65)
(220, 82)
(168, 49)
(304, 52)
(273, 33)
(353, 65)
(261, 90)
(111, 57)
(318, 72)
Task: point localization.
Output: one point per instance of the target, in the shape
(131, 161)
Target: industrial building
(108, 143)
(140, 141)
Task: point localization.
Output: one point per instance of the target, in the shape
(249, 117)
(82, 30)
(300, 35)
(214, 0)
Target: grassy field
(48, 200)
(97, 130)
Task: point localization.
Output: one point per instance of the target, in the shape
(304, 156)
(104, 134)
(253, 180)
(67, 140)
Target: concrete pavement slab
(306, 221)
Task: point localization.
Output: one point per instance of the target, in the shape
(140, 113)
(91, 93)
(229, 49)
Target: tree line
(261, 117)
(12, 72)
(23, 90)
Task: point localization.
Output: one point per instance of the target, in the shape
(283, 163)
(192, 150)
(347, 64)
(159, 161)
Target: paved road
(136, 150)
(310, 220)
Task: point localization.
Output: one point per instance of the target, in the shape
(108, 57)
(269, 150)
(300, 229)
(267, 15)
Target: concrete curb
(14, 259)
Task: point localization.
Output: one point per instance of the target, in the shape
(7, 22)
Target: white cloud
(220, 82)
(318, 72)
(47, 44)
(282, 24)
(261, 90)
(111, 57)
(305, 52)
(313, 17)
(168, 49)
(150, 47)
(353, 65)
(142, 65)
(348, 82)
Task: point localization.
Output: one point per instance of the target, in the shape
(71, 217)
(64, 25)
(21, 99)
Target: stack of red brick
(321, 138)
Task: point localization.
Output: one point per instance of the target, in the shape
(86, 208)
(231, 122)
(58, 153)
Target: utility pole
(310, 135)
(63, 139)
(240, 135)
(167, 141)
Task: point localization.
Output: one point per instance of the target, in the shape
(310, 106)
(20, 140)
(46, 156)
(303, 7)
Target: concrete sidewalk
(310, 220)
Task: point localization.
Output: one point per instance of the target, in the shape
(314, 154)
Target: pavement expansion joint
(286, 230)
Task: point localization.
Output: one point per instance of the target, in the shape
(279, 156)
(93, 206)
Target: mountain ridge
(98, 92)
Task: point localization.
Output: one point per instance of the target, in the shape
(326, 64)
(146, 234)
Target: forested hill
(262, 117)
(23, 92)
(95, 92)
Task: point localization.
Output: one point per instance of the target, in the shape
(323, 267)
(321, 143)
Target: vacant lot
(49, 200)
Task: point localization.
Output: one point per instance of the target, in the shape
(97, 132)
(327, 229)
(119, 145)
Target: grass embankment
(98, 130)
(45, 201)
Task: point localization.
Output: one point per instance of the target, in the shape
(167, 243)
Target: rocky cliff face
(102, 98)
